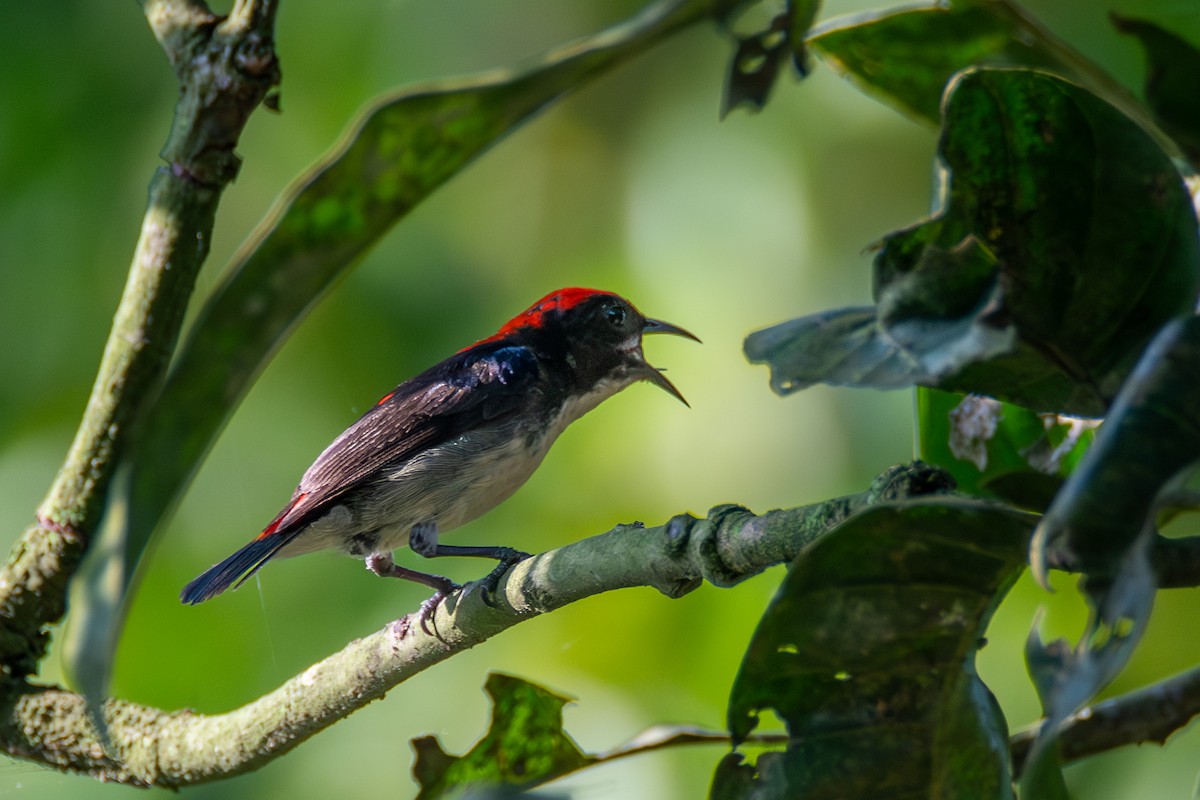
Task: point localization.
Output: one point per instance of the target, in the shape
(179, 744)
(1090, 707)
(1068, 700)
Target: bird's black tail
(240, 565)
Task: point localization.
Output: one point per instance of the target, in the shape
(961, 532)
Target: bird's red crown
(555, 302)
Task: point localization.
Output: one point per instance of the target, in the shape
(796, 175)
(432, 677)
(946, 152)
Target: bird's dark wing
(480, 384)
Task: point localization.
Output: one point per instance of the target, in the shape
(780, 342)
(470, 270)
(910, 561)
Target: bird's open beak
(658, 326)
(653, 374)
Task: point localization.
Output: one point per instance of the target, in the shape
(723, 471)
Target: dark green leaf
(403, 148)
(1103, 524)
(525, 745)
(1064, 240)
(907, 57)
(1066, 678)
(1043, 779)
(867, 653)
(1172, 66)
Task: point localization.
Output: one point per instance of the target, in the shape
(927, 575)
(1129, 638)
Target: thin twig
(1150, 714)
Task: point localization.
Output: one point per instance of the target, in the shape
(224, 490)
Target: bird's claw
(489, 583)
(427, 613)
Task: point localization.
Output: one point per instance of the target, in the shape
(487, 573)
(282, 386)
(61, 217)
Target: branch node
(678, 529)
(902, 481)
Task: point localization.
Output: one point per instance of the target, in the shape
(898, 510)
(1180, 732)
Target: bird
(453, 442)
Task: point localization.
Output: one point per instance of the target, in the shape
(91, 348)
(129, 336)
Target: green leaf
(907, 57)
(1064, 239)
(1172, 66)
(525, 745)
(403, 147)
(867, 654)
(998, 449)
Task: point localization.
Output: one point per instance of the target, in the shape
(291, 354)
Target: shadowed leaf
(1172, 66)
(867, 654)
(907, 57)
(1149, 437)
(1103, 524)
(1064, 238)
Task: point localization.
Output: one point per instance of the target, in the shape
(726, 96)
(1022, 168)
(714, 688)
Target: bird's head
(599, 334)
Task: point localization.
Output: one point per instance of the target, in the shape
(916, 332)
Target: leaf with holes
(525, 745)
(1103, 524)
(867, 654)
(758, 58)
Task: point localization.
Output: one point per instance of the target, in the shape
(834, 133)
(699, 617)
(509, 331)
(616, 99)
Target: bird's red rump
(275, 523)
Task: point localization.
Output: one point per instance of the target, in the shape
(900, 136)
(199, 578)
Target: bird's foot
(383, 565)
(427, 613)
(490, 583)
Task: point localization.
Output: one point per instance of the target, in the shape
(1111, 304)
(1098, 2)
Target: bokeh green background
(631, 185)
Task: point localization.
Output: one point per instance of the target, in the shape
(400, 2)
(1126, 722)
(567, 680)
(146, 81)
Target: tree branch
(225, 70)
(173, 749)
(1150, 714)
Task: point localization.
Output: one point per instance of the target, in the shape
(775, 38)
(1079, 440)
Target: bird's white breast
(450, 484)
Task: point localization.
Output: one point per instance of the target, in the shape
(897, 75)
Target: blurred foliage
(1172, 65)
(631, 185)
(908, 55)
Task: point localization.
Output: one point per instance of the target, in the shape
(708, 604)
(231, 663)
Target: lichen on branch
(174, 749)
(227, 67)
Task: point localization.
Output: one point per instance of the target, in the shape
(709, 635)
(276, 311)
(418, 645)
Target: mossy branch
(154, 747)
(226, 67)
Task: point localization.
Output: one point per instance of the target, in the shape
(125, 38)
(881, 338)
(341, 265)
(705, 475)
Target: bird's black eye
(615, 316)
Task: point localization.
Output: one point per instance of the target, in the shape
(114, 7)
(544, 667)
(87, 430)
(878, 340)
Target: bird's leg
(423, 539)
(383, 565)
